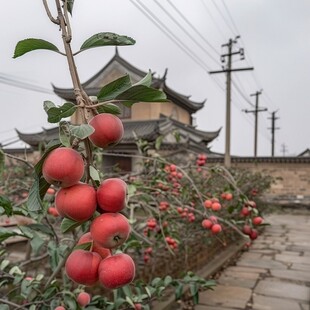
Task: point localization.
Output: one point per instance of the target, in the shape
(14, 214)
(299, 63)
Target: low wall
(291, 175)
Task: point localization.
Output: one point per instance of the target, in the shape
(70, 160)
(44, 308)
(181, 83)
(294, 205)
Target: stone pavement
(273, 275)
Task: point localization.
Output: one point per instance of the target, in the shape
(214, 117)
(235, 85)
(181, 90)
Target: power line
(24, 85)
(194, 28)
(230, 17)
(214, 20)
(158, 23)
(222, 15)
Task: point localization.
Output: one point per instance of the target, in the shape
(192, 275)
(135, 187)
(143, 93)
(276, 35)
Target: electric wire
(223, 17)
(193, 27)
(214, 20)
(15, 83)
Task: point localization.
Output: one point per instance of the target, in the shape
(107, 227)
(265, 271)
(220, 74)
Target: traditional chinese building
(171, 122)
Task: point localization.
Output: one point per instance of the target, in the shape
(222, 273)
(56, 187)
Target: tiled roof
(92, 88)
(147, 130)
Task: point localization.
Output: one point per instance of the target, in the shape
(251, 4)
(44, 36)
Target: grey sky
(274, 34)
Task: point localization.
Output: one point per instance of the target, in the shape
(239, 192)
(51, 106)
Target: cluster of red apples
(78, 201)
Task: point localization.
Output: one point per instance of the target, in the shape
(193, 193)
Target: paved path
(273, 275)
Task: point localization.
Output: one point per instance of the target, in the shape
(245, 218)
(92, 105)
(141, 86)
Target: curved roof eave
(182, 100)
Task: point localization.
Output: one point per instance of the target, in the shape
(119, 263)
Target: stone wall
(291, 175)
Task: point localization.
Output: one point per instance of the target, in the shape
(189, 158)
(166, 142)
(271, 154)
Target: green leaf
(68, 224)
(70, 6)
(31, 44)
(129, 300)
(41, 228)
(158, 142)
(177, 135)
(5, 234)
(94, 174)
(127, 291)
(157, 281)
(131, 189)
(105, 39)
(64, 133)
(6, 204)
(179, 291)
(115, 88)
(36, 194)
(84, 246)
(81, 131)
(56, 114)
(2, 162)
(146, 81)
(194, 289)
(109, 108)
(167, 280)
(70, 302)
(36, 243)
(141, 93)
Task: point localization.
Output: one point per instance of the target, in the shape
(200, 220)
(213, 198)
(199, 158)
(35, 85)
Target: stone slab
(272, 303)
(296, 266)
(246, 269)
(291, 275)
(233, 281)
(282, 289)
(293, 259)
(226, 296)
(241, 274)
(204, 307)
(266, 264)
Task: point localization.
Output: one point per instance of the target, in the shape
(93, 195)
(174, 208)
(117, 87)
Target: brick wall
(291, 174)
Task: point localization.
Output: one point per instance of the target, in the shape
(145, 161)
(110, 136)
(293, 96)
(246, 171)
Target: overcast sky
(274, 35)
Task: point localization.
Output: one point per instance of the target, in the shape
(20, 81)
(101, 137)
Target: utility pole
(273, 128)
(256, 111)
(283, 149)
(228, 70)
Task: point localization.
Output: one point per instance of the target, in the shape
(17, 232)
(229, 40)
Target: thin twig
(16, 306)
(49, 14)
(69, 32)
(32, 260)
(19, 159)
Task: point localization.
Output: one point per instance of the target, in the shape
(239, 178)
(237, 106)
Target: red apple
(77, 202)
(83, 299)
(63, 167)
(138, 306)
(216, 206)
(60, 308)
(110, 230)
(53, 211)
(253, 234)
(213, 219)
(108, 130)
(103, 252)
(216, 228)
(229, 196)
(208, 203)
(112, 194)
(247, 229)
(207, 224)
(82, 267)
(50, 191)
(116, 271)
(245, 211)
(257, 220)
